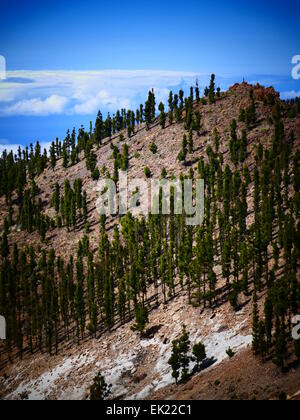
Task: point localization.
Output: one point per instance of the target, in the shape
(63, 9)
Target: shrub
(163, 173)
(230, 353)
(147, 172)
(153, 148)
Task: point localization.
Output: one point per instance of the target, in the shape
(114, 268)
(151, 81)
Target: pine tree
(52, 155)
(183, 152)
(108, 126)
(244, 144)
(163, 270)
(162, 117)
(73, 147)
(149, 111)
(211, 94)
(280, 347)
(122, 298)
(191, 94)
(125, 158)
(141, 319)
(184, 347)
(199, 354)
(105, 280)
(197, 91)
(262, 344)
(99, 390)
(190, 142)
(171, 108)
(196, 124)
(78, 193)
(234, 146)
(57, 197)
(84, 207)
(226, 260)
(79, 301)
(65, 155)
(153, 104)
(242, 116)
(216, 140)
(147, 172)
(255, 326)
(174, 360)
(4, 246)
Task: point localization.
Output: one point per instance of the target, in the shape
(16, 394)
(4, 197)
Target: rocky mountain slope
(138, 368)
(169, 142)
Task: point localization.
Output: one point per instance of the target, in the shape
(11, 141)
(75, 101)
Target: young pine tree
(211, 94)
(199, 354)
(182, 154)
(174, 360)
(255, 326)
(184, 348)
(99, 390)
(190, 142)
(162, 117)
(141, 319)
(171, 108)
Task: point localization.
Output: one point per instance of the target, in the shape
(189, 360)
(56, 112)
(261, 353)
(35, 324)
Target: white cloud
(2, 67)
(54, 104)
(91, 104)
(290, 94)
(84, 92)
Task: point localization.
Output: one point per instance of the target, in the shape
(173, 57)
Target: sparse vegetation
(250, 230)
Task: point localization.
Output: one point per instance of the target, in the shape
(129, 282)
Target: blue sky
(160, 44)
